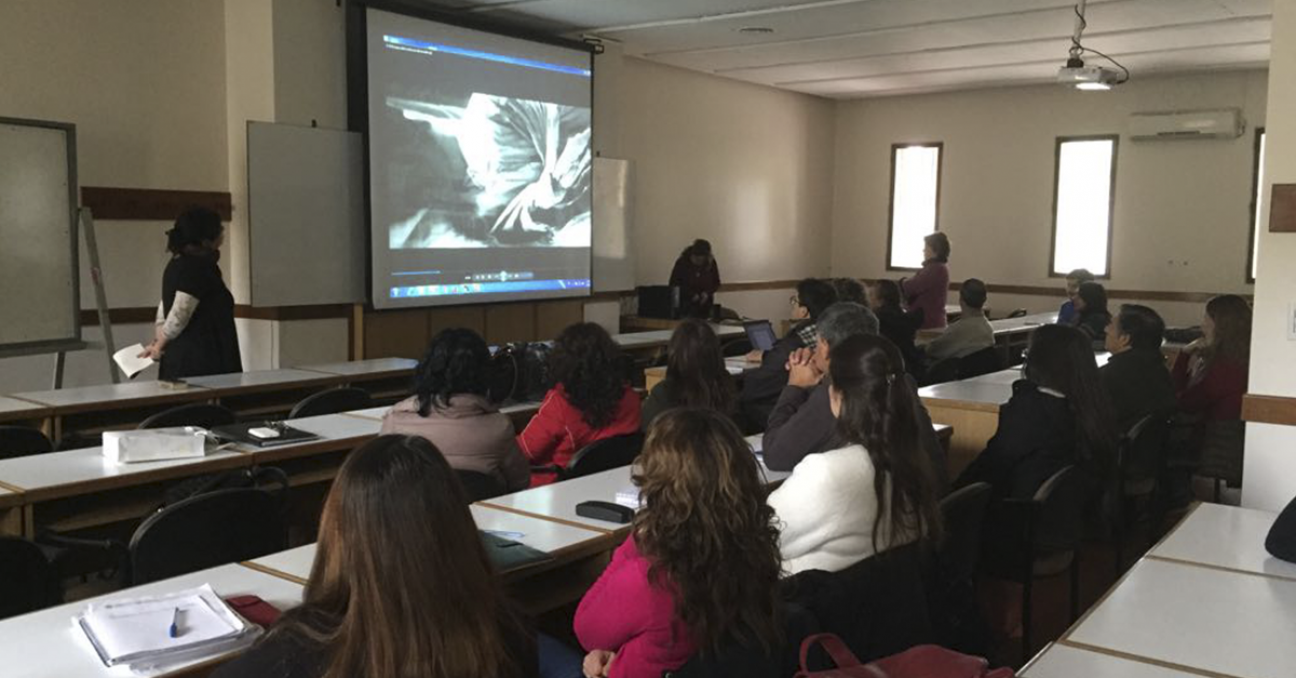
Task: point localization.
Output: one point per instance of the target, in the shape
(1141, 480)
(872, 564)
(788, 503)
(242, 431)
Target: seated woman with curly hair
(591, 400)
(700, 569)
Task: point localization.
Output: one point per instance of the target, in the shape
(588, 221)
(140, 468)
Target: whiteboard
(613, 267)
(305, 215)
(39, 292)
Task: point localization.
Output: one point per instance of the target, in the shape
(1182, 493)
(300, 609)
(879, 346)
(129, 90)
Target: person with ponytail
(875, 492)
(450, 409)
(194, 332)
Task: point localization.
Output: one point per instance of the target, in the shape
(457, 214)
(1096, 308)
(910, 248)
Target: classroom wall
(1269, 475)
(1182, 207)
(144, 83)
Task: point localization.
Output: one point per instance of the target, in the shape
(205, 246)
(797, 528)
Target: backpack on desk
(922, 661)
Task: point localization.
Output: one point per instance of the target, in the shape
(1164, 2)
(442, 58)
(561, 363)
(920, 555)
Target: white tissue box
(123, 447)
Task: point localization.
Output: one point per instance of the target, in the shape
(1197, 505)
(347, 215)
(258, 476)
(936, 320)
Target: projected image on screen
(479, 165)
(515, 172)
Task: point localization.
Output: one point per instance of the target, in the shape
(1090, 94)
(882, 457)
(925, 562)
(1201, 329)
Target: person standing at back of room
(591, 400)
(194, 332)
(697, 276)
(928, 289)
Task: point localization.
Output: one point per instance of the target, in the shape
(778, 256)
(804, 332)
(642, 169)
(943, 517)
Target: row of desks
(1208, 600)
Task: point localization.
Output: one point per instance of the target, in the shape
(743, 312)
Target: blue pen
(175, 624)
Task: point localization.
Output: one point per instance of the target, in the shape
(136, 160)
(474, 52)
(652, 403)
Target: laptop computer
(761, 334)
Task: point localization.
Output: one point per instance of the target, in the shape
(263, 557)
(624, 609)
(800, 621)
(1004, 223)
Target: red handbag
(922, 661)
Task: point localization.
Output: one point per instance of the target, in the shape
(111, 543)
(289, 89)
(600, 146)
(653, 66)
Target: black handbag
(1281, 542)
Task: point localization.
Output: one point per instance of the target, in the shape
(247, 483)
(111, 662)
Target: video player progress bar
(488, 288)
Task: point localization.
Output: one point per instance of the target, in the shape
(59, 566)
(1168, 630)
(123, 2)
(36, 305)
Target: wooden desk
(1061, 661)
(77, 489)
(15, 412)
(91, 409)
(1224, 537)
(1195, 618)
(386, 379)
(971, 406)
(45, 644)
(264, 393)
(11, 512)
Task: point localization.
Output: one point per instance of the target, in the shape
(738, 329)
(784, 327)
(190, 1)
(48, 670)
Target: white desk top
(1060, 661)
(1225, 536)
(15, 406)
(363, 367)
(376, 413)
(540, 534)
(662, 337)
(991, 390)
(108, 394)
(240, 380)
(1211, 620)
(337, 426)
(45, 644)
(89, 466)
(1025, 323)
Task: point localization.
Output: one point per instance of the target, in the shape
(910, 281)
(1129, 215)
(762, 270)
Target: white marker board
(614, 264)
(305, 215)
(39, 292)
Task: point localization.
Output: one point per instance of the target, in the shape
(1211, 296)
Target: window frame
(940, 172)
(1254, 212)
(1111, 199)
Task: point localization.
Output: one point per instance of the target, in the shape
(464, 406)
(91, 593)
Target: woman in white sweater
(879, 490)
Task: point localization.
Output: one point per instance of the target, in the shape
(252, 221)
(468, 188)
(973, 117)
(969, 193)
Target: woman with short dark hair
(450, 409)
(695, 374)
(591, 400)
(697, 276)
(928, 289)
(194, 331)
(1091, 314)
(401, 584)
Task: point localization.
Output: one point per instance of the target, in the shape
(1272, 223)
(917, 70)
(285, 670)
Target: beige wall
(1269, 477)
(1182, 207)
(144, 83)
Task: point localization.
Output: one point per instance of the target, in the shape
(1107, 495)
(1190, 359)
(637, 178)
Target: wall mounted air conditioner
(1226, 123)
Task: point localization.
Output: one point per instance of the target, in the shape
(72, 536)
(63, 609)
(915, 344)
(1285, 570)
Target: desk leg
(12, 523)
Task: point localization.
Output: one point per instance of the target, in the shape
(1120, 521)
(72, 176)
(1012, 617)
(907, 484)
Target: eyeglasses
(795, 300)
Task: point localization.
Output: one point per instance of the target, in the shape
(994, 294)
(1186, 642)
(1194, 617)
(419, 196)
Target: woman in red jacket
(1210, 374)
(591, 400)
(700, 568)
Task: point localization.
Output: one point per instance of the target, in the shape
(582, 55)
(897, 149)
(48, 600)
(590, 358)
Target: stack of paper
(139, 631)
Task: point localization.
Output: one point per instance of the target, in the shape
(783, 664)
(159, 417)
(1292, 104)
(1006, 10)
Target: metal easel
(85, 220)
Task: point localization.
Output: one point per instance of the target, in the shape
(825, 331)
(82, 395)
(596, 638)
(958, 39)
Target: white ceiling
(861, 48)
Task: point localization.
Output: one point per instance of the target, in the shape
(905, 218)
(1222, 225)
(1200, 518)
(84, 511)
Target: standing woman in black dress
(195, 321)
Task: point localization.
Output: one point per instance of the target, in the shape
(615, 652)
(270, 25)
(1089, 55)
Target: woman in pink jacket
(703, 512)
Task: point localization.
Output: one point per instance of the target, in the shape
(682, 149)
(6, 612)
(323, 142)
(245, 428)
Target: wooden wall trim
(151, 204)
(1269, 409)
(326, 311)
(1148, 295)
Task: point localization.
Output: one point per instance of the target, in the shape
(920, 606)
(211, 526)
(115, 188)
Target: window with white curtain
(1082, 204)
(915, 190)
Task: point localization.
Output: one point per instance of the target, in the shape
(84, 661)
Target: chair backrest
(1059, 517)
(1221, 450)
(479, 486)
(1142, 448)
(224, 526)
(749, 659)
(941, 372)
(985, 361)
(605, 454)
(21, 441)
(204, 415)
(963, 512)
(1017, 313)
(27, 580)
(332, 401)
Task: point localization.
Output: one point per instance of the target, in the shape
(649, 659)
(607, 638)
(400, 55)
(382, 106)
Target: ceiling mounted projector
(1080, 76)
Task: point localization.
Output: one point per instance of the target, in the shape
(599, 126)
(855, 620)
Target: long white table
(1225, 537)
(45, 644)
(1062, 661)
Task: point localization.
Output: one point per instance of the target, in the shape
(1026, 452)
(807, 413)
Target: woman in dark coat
(698, 278)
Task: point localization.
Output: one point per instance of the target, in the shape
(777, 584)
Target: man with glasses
(762, 386)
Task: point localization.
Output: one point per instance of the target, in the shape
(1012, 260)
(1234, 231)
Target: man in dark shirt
(1136, 377)
(762, 385)
(802, 422)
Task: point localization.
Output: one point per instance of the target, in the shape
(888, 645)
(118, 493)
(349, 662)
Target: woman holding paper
(194, 332)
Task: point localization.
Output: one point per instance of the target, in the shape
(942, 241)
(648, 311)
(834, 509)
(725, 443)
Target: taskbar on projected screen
(503, 287)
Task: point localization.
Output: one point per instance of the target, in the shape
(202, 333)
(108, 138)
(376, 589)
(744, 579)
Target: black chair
(202, 415)
(1017, 313)
(1142, 463)
(1222, 446)
(1049, 527)
(736, 347)
(952, 584)
(219, 527)
(479, 486)
(985, 361)
(877, 606)
(603, 455)
(332, 401)
(750, 660)
(28, 582)
(21, 441)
